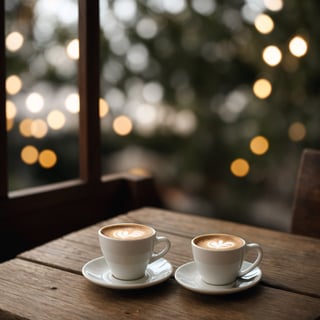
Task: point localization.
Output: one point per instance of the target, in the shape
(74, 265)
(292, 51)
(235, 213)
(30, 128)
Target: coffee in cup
(219, 257)
(128, 248)
(127, 231)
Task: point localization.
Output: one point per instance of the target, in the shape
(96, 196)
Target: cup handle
(157, 255)
(249, 247)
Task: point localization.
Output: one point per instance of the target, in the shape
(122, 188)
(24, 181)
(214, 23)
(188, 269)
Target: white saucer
(188, 276)
(98, 272)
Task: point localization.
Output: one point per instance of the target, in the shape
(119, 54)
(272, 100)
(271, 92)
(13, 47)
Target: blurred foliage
(205, 64)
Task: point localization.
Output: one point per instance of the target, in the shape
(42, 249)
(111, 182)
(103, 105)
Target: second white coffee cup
(128, 248)
(219, 257)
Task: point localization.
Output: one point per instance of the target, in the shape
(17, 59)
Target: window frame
(32, 216)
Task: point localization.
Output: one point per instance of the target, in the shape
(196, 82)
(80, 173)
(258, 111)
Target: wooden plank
(72, 251)
(290, 261)
(284, 264)
(34, 291)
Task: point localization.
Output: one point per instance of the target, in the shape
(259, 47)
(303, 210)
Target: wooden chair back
(306, 206)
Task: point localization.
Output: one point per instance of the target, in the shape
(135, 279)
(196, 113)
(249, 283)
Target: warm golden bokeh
(263, 23)
(259, 145)
(56, 119)
(29, 154)
(11, 110)
(297, 131)
(240, 167)
(73, 49)
(103, 108)
(272, 55)
(14, 41)
(47, 159)
(39, 128)
(298, 46)
(13, 84)
(25, 127)
(262, 88)
(122, 125)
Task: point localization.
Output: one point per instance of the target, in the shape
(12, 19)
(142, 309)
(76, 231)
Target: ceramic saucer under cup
(97, 271)
(187, 276)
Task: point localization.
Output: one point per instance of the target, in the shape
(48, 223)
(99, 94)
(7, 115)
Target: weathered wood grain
(290, 262)
(34, 291)
(288, 259)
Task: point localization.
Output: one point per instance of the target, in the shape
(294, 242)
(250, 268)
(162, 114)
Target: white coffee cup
(128, 248)
(219, 257)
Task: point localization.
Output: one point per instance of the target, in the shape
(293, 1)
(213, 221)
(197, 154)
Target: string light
(240, 167)
(35, 102)
(263, 23)
(14, 41)
(29, 154)
(73, 49)
(262, 88)
(259, 145)
(13, 84)
(56, 119)
(122, 125)
(47, 158)
(298, 46)
(272, 55)
(25, 127)
(39, 128)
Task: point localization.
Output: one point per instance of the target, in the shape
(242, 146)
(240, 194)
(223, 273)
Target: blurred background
(216, 99)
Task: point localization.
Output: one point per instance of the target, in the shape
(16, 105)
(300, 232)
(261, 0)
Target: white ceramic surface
(128, 258)
(98, 272)
(223, 265)
(188, 276)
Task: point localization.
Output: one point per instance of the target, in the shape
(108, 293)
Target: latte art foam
(128, 231)
(219, 242)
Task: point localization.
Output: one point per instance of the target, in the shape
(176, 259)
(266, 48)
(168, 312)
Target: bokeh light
(262, 88)
(47, 158)
(11, 109)
(25, 127)
(72, 103)
(298, 46)
(14, 41)
(264, 24)
(259, 145)
(240, 167)
(13, 84)
(56, 119)
(103, 108)
(273, 5)
(272, 55)
(297, 131)
(142, 172)
(39, 128)
(34, 102)
(9, 124)
(73, 49)
(29, 154)
(122, 125)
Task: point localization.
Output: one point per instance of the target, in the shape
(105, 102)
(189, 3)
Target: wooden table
(46, 282)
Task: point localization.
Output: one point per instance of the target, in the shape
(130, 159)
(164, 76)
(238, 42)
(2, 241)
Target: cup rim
(125, 224)
(214, 234)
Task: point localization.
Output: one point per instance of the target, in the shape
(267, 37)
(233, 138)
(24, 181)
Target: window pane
(42, 94)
